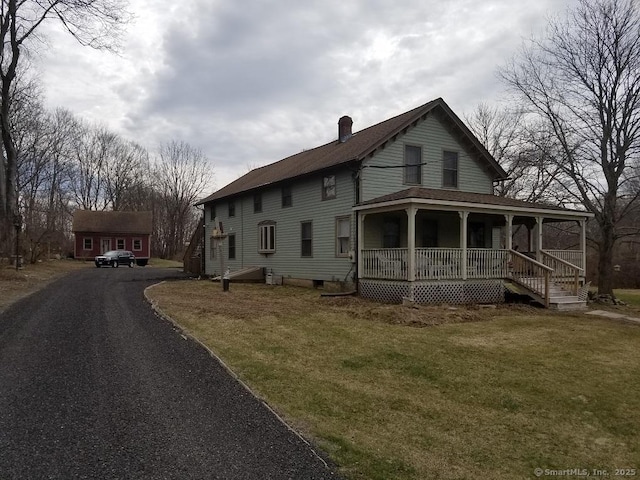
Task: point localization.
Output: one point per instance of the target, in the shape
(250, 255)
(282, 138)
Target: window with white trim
(267, 237)
(120, 244)
(329, 187)
(87, 243)
(450, 169)
(306, 239)
(343, 234)
(137, 244)
(412, 165)
(231, 243)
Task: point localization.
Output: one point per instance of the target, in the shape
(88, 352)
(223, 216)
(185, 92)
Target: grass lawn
(630, 297)
(392, 392)
(162, 263)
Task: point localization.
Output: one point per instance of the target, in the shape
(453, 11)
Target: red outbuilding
(98, 232)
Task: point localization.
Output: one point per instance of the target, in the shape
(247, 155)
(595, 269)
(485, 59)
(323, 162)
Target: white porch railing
(385, 263)
(574, 257)
(532, 274)
(442, 263)
(564, 274)
(438, 263)
(487, 263)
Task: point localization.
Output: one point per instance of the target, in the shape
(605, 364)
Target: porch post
(360, 241)
(583, 244)
(464, 215)
(539, 238)
(411, 243)
(508, 244)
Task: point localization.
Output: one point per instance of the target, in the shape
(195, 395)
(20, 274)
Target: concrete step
(567, 303)
(245, 274)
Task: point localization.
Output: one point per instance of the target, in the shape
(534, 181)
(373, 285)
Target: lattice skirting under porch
(451, 292)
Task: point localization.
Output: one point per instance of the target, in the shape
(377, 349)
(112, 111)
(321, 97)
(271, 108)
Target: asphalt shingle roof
(112, 222)
(357, 147)
(458, 196)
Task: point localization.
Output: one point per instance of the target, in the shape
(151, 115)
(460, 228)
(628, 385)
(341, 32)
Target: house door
(105, 245)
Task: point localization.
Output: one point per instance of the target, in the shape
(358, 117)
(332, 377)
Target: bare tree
(522, 147)
(64, 127)
(182, 174)
(41, 139)
(582, 81)
(127, 172)
(92, 22)
(90, 148)
(31, 132)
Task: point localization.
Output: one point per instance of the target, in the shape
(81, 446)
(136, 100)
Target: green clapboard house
(401, 209)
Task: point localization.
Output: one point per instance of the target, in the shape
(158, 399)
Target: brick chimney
(344, 129)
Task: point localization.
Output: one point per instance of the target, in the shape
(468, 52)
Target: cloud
(254, 81)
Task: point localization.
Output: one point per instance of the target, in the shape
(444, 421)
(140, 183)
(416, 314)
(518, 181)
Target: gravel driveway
(94, 385)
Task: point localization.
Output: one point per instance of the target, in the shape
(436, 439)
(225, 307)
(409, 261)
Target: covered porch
(463, 241)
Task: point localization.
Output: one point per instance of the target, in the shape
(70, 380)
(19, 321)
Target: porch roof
(453, 199)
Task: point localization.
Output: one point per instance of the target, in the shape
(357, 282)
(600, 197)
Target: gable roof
(112, 222)
(359, 146)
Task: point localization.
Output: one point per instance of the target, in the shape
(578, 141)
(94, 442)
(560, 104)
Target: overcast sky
(250, 82)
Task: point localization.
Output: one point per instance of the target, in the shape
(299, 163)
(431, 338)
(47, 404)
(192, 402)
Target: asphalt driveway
(94, 385)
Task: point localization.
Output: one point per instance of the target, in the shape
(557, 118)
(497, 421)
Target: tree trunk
(10, 160)
(605, 266)
(5, 228)
(10, 198)
(607, 224)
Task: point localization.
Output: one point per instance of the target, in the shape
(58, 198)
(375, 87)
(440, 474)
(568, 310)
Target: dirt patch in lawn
(412, 315)
(251, 302)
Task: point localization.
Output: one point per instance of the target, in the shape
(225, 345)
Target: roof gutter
(475, 207)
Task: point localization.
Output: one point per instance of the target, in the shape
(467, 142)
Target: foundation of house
(326, 285)
(451, 292)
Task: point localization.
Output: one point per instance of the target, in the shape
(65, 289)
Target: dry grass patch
(258, 302)
(164, 263)
(631, 298)
(487, 393)
(15, 284)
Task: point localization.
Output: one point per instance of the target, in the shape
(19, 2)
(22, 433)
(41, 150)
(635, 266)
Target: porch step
(559, 299)
(567, 303)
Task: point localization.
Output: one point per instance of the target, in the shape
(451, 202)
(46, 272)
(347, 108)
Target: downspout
(204, 240)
